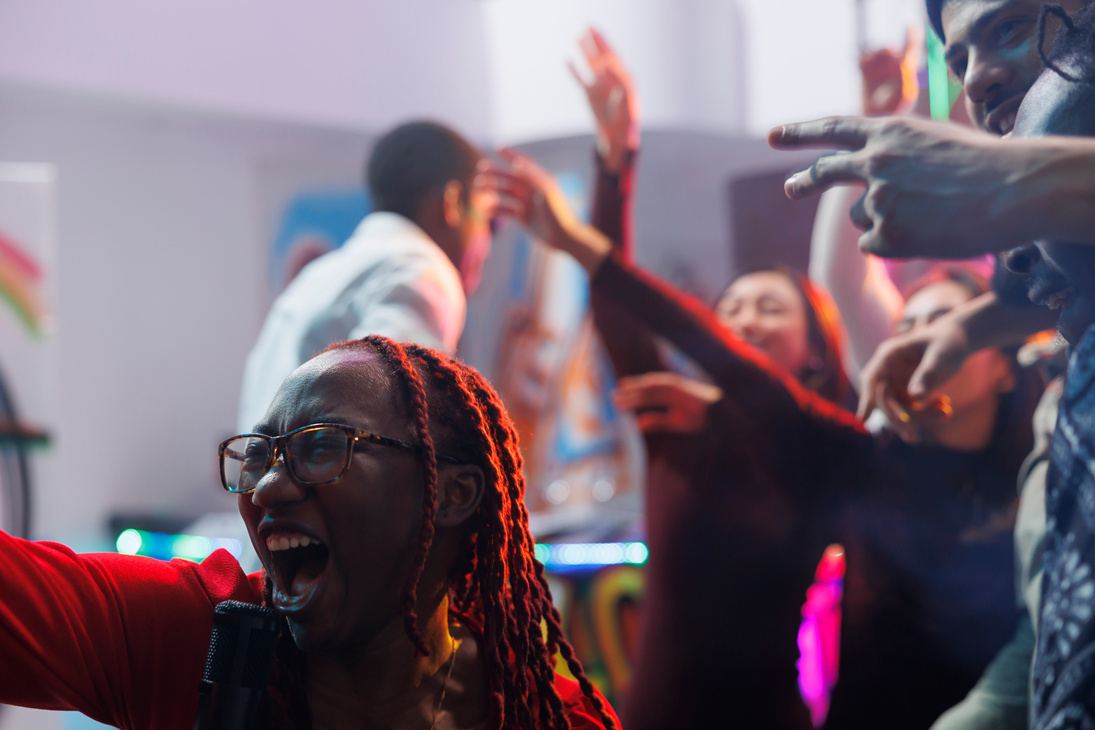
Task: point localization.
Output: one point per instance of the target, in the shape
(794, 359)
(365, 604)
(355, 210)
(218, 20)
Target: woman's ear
(460, 489)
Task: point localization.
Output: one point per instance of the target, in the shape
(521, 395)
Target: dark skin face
(1060, 275)
(992, 48)
(343, 600)
(368, 520)
(348, 593)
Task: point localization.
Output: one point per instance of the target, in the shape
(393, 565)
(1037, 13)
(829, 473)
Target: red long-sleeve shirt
(123, 639)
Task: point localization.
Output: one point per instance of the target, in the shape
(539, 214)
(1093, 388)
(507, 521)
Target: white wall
(358, 63)
(160, 290)
(686, 59)
(492, 67)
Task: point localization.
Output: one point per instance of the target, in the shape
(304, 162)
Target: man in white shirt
(404, 273)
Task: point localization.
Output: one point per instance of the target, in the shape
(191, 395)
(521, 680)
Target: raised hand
(889, 80)
(529, 194)
(612, 99)
(905, 371)
(666, 401)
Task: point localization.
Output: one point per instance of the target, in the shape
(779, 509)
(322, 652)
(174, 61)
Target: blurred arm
(866, 298)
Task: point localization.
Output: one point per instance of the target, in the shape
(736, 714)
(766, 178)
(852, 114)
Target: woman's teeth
(277, 543)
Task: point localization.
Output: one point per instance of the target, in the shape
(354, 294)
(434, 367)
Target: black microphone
(237, 667)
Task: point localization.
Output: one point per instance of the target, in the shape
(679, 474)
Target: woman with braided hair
(384, 494)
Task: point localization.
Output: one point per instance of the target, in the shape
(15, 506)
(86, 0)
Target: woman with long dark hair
(747, 487)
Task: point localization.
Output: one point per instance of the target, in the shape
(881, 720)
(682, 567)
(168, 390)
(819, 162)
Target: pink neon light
(819, 635)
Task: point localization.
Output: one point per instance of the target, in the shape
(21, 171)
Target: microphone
(237, 667)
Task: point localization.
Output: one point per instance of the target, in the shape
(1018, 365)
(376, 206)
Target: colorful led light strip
(162, 546)
(567, 556)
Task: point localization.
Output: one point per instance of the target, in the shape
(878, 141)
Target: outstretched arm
(615, 106)
(758, 394)
(612, 99)
(866, 298)
(944, 191)
(119, 638)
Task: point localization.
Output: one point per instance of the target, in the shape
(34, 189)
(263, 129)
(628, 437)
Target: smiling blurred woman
(792, 321)
(752, 474)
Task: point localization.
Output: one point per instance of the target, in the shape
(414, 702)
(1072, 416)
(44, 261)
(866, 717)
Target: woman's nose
(744, 322)
(276, 486)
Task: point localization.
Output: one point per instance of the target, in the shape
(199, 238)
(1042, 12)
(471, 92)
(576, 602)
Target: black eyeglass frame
(278, 444)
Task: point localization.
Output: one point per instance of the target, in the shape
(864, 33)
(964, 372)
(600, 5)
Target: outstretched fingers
(849, 133)
(641, 391)
(592, 53)
(524, 166)
(659, 422)
(829, 169)
(599, 42)
(511, 188)
(586, 85)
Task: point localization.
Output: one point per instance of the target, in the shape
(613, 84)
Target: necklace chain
(445, 684)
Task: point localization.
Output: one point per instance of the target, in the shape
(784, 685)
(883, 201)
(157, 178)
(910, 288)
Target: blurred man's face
(992, 48)
(475, 235)
(1061, 275)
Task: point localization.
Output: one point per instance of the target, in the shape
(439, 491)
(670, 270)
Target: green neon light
(165, 547)
(582, 555)
(943, 90)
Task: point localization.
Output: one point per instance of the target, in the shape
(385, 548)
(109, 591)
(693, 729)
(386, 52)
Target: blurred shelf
(18, 433)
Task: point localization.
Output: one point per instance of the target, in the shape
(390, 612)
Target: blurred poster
(583, 461)
(535, 341)
(307, 206)
(313, 223)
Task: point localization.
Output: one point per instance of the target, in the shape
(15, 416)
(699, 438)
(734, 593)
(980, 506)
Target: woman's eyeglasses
(314, 455)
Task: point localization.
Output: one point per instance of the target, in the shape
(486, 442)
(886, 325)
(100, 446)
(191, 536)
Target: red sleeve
(631, 349)
(579, 708)
(119, 638)
(768, 410)
(612, 197)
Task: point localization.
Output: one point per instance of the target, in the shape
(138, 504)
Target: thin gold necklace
(445, 684)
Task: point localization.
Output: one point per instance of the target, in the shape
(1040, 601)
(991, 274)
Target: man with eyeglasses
(404, 273)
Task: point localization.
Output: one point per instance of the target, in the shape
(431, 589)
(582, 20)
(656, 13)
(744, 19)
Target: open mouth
(757, 342)
(1051, 292)
(1002, 119)
(1058, 300)
(298, 563)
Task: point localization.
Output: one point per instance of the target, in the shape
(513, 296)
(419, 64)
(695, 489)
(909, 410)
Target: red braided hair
(497, 581)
